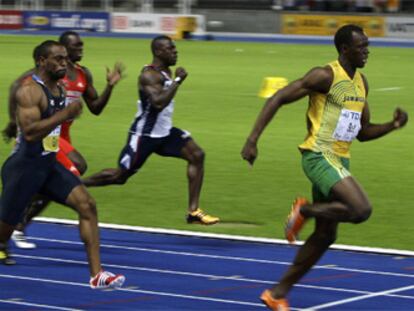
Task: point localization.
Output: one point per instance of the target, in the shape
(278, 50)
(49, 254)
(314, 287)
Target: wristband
(178, 80)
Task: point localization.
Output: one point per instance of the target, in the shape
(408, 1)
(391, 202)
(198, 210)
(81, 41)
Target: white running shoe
(105, 279)
(20, 240)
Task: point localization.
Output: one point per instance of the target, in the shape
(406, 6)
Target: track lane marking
(273, 262)
(208, 276)
(131, 290)
(348, 300)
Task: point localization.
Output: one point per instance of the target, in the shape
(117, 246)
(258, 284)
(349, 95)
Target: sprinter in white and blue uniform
(153, 132)
(32, 168)
(152, 129)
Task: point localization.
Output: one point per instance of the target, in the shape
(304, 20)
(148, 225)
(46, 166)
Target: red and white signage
(11, 19)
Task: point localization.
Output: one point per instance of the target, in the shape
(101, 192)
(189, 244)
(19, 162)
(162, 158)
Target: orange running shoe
(295, 220)
(274, 304)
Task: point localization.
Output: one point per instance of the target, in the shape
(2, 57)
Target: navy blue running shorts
(23, 177)
(139, 148)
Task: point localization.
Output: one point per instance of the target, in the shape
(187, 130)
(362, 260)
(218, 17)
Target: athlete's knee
(361, 213)
(81, 166)
(121, 177)
(198, 156)
(87, 207)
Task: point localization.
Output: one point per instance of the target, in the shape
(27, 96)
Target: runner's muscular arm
(96, 103)
(29, 110)
(150, 82)
(370, 131)
(10, 131)
(318, 79)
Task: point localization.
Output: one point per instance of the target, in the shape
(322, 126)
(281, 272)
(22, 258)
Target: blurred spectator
(289, 5)
(331, 5)
(318, 5)
(380, 6)
(393, 6)
(364, 6)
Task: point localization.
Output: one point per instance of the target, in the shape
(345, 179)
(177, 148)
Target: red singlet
(74, 91)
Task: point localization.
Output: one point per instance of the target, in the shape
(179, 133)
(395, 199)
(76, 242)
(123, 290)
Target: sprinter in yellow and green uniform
(334, 120)
(338, 113)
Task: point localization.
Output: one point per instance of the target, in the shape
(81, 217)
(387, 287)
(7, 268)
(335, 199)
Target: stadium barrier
(185, 26)
(66, 20)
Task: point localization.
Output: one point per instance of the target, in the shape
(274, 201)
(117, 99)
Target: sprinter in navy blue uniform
(152, 130)
(32, 167)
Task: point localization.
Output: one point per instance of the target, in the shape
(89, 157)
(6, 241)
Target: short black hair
(155, 43)
(344, 35)
(35, 55)
(43, 49)
(64, 37)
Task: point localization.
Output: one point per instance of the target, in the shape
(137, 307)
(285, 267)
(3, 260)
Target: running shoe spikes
(295, 220)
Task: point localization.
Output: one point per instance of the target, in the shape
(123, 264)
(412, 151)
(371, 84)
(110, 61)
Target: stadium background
(218, 105)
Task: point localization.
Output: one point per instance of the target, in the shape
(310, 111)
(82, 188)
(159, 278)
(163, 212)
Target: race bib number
(348, 126)
(51, 142)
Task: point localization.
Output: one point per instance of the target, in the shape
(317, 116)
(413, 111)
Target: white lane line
(29, 304)
(272, 262)
(386, 89)
(218, 236)
(154, 250)
(208, 276)
(348, 300)
(130, 290)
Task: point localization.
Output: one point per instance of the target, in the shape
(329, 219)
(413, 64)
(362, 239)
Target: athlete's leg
(35, 207)
(179, 144)
(109, 176)
(40, 202)
(6, 231)
(78, 160)
(350, 204)
(71, 158)
(132, 157)
(21, 178)
(63, 187)
(195, 172)
(330, 175)
(309, 253)
(81, 201)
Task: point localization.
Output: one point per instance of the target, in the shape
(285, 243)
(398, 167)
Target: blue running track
(175, 272)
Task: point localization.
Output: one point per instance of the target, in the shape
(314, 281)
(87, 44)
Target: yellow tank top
(334, 119)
